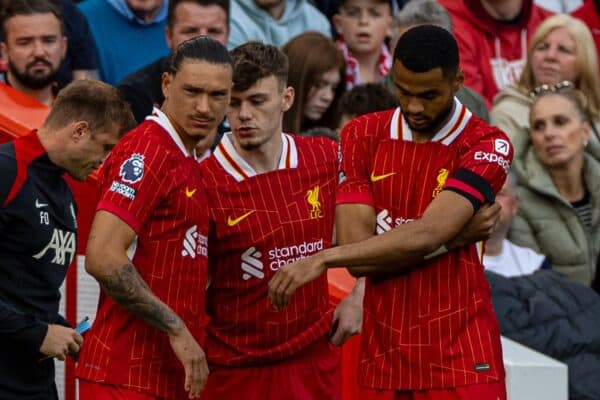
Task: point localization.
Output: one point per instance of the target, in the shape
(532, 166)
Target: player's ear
(459, 78)
(166, 84)
(79, 129)
(288, 98)
(169, 38)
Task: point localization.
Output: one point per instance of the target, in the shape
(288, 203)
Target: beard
(32, 81)
(434, 124)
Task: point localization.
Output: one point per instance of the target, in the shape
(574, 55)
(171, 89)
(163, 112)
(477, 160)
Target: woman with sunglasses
(562, 54)
(559, 186)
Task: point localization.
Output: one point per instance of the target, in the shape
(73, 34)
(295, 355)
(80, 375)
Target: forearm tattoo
(130, 291)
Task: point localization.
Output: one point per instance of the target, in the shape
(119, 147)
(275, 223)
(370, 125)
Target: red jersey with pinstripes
(434, 326)
(153, 186)
(260, 222)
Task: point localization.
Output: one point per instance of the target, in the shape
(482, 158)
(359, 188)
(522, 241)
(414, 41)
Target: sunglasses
(557, 87)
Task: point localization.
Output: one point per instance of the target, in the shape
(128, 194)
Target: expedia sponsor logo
(492, 158)
(385, 222)
(501, 146)
(194, 243)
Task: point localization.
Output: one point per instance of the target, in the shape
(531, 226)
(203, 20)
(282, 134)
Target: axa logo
(384, 222)
(194, 243)
(252, 266)
(312, 197)
(63, 243)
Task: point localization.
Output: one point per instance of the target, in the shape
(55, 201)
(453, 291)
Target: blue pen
(83, 325)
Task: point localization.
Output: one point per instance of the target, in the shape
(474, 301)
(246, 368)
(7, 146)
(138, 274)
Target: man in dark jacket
(38, 231)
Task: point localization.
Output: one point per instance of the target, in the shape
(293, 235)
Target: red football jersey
(260, 222)
(434, 326)
(151, 183)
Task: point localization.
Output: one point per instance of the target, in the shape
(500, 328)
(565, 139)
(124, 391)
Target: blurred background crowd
(542, 261)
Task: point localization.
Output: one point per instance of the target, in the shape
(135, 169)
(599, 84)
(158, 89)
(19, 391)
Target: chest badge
(441, 180)
(312, 197)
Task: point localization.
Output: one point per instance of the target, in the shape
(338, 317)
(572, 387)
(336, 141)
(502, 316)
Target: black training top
(37, 243)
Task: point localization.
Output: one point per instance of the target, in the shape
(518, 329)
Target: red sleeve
(483, 169)
(132, 183)
(354, 185)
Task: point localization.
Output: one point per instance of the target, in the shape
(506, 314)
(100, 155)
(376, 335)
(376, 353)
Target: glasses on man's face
(557, 87)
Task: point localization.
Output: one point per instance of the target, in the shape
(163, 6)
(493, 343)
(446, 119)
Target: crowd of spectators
(530, 67)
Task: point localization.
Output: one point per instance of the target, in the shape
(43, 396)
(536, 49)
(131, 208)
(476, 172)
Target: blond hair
(586, 58)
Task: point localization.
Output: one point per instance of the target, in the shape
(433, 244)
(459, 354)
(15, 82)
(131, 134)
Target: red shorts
(89, 390)
(313, 374)
(485, 391)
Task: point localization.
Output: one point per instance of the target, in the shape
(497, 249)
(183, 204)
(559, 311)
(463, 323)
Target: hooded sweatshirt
(124, 42)
(492, 53)
(250, 22)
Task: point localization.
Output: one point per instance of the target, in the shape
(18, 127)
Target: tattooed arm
(107, 261)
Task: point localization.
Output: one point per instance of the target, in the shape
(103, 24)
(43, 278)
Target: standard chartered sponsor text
(280, 256)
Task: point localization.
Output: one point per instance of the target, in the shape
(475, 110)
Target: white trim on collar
(161, 119)
(239, 169)
(447, 134)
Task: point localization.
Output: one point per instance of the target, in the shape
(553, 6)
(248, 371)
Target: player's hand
(191, 355)
(292, 276)
(479, 227)
(347, 319)
(61, 341)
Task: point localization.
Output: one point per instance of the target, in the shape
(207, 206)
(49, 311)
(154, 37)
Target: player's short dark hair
(365, 99)
(224, 4)
(253, 61)
(98, 103)
(13, 8)
(200, 48)
(426, 47)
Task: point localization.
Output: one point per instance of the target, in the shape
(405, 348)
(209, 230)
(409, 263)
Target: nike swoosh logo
(234, 222)
(40, 205)
(189, 193)
(375, 178)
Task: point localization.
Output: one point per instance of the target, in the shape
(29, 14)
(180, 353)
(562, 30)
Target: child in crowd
(363, 26)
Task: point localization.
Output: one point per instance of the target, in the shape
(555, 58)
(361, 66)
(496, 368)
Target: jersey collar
(161, 119)
(460, 117)
(239, 169)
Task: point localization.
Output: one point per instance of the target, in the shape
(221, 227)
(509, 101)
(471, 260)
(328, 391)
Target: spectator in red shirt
(493, 38)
